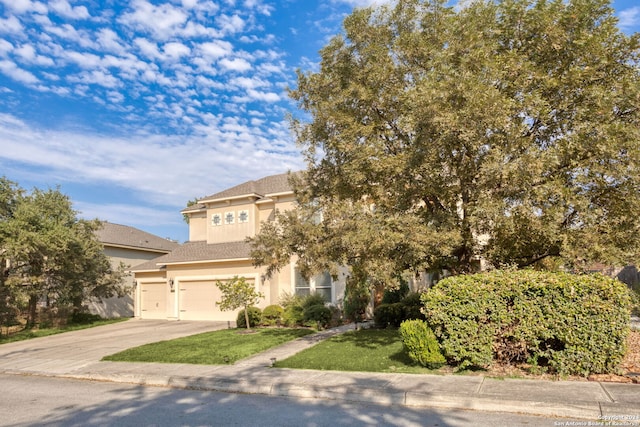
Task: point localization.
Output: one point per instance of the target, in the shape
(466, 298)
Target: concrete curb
(587, 410)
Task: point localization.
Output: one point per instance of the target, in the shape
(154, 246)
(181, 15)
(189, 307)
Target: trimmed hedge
(255, 316)
(421, 344)
(393, 314)
(272, 315)
(318, 314)
(557, 322)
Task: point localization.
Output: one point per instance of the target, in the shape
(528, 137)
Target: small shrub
(318, 314)
(287, 300)
(293, 315)
(389, 315)
(272, 315)
(563, 323)
(84, 318)
(356, 300)
(255, 316)
(421, 344)
(413, 306)
(311, 300)
(336, 316)
(391, 296)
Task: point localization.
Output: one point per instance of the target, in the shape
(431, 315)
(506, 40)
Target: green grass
(28, 334)
(210, 348)
(369, 350)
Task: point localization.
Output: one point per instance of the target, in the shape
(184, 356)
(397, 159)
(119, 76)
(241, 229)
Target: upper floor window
(229, 217)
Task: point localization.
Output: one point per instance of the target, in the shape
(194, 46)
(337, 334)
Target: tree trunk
(246, 317)
(33, 309)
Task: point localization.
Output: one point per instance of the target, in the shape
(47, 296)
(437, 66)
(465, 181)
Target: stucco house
(132, 247)
(182, 284)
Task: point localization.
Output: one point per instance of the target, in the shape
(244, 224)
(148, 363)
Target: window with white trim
(229, 217)
(320, 284)
(216, 219)
(243, 216)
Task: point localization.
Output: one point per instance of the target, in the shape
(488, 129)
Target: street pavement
(77, 355)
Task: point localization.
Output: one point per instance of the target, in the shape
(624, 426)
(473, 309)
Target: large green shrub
(293, 315)
(393, 314)
(272, 315)
(389, 315)
(318, 314)
(413, 306)
(421, 344)
(312, 299)
(255, 316)
(391, 296)
(560, 322)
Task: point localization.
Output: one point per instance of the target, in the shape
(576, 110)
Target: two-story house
(182, 285)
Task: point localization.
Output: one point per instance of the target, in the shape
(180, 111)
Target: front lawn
(27, 334)
(369, 350)
(210, 348)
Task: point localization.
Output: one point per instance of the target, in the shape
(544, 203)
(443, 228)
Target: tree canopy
(48, 255)
(504, 130)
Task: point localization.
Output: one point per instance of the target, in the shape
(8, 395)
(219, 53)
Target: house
(182, 284)
(130, 246)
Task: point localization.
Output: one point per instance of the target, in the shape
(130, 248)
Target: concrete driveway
(70, 351)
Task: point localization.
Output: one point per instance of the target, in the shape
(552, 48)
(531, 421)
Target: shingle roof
(268, 185)
(198, 252)
(122, 235)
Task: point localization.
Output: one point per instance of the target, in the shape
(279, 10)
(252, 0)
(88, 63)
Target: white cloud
(5, 47)
(173, 167)
(249, 82)
(263, 96)
(629, 17)
(28, 54)
(97, 77)
(24, 6)
(230, 24)
(11, 25)
(216, 48)
(63, 8)
(148, 48)
(163, 21)
(82, 59)
(175, 50)
(109, 40)
(10, 69)
(237, 64)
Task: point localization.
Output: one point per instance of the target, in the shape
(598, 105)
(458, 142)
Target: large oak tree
(48, 255)
(437, 136)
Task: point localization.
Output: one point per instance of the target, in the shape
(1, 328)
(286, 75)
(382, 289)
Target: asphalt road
(40, 401)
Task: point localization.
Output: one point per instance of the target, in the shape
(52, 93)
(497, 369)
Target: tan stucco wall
(198, 226)
(121, 307)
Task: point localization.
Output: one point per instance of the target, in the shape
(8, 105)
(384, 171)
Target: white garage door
(153, 301)
(198, 302)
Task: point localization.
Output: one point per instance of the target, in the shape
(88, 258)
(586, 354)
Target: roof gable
(259, 189)
(124, 236)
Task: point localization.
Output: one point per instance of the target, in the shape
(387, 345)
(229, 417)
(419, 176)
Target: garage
(197, 301)
(153, 300)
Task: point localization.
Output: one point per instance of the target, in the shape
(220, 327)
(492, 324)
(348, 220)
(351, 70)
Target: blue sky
(135, 107)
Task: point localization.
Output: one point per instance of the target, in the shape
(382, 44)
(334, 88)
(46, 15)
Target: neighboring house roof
(261, 188)
(199, 252)
(123, 236)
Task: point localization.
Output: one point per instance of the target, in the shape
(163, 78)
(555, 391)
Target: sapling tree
(237, 293)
